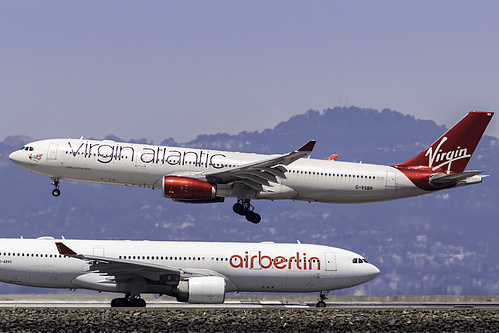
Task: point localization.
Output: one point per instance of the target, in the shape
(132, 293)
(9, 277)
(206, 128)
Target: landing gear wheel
(238, 208)
(321, 304)
(120, 302)
(114, 302)
(56, 192)
(322, 297)
(253, 217)
(138, 302)
(243, 207)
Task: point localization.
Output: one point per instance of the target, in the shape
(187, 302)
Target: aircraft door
(52, 151)
(330, 261)
(391, 179)
(99, 251)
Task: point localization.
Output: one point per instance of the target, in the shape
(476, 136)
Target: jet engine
(206, 289)
(190, 190)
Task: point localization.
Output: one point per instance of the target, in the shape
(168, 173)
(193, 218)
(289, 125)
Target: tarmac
(102, 300)
(91, 312)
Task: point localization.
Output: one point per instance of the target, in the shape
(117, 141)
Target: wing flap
(256, 186)
(264, 175)
(255, 179)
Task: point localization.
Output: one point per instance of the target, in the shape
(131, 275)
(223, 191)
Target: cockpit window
(359, 260)
(27, 148)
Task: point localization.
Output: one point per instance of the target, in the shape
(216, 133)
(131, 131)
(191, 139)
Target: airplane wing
(256, 174)
(442, 180)
(124, 269)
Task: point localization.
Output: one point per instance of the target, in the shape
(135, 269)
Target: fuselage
(251, 267)
(109, 162)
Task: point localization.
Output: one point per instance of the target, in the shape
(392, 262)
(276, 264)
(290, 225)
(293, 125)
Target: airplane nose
(14, 156)
(375, 271)
(369, 272)
(17, 157)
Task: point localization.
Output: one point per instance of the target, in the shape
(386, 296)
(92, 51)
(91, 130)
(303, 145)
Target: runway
(84, 300)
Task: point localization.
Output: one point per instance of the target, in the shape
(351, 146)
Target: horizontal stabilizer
(442, 180)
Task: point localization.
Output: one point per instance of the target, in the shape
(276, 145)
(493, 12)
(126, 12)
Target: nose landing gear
(322, 297)
(243, 207)
(56, 192)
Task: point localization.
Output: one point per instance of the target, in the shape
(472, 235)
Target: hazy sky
(159, 69)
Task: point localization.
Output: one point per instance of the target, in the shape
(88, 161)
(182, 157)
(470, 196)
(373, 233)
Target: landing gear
(138, 302)
(128, 301)
(243, 207)
(322, 297)
(56, 192)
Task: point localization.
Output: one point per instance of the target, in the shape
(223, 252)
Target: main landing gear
(128, 301)
(322, 297)
(243, 207)
(56, 192)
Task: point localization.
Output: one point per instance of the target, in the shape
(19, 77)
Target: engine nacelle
(185, 189)
(205, 289)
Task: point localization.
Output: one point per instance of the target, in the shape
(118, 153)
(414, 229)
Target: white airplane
(195, 272)
(204, 176)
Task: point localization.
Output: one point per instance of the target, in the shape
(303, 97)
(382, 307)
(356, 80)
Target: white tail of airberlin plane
(206, 176)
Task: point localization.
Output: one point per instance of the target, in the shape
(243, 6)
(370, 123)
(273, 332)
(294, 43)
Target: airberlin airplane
(205, 176)
(195, 272)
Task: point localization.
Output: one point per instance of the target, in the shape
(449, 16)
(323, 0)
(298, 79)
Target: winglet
(64, 250)
(309, 146)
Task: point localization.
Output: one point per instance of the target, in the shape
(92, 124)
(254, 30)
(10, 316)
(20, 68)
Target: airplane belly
(278, 281)
(258, 280)
(13, 275)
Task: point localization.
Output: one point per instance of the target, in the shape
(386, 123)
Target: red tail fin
(452, 151)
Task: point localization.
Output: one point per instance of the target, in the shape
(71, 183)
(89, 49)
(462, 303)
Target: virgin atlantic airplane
(194, 272)
(204, 176)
